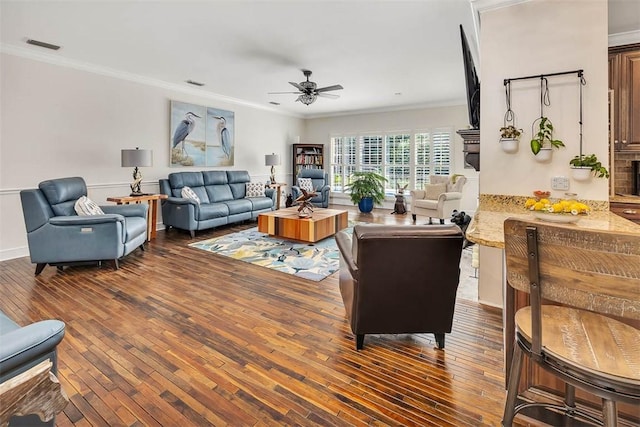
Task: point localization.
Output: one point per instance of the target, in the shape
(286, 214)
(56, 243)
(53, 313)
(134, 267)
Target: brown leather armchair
(400, 278)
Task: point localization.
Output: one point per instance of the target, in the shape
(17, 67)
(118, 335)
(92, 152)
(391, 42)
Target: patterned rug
(313, 261)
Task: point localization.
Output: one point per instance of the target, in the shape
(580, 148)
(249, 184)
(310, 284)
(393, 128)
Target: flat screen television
(472, 83)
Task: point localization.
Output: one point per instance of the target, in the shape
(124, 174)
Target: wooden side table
(152, 216)
(278, 187)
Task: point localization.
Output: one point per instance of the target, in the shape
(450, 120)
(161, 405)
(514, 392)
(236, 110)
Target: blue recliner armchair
(58, 236)
(23, 348)
(320, 180)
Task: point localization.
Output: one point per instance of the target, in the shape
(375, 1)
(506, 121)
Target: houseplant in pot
(509, 138)
(543, 142)
(367, 189)
(584, 167)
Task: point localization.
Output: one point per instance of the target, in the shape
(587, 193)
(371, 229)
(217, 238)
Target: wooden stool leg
(570, 397)
(609, 413)
(512, 387)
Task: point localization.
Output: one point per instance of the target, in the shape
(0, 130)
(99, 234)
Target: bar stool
(594, 275)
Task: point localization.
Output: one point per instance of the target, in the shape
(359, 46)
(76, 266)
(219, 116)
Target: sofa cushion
(211, 211)
(62, 194)
(254, 189)
(433, 191)
(177, 180)
(219, 193)
(215, 177)
(237, 181)
(188, 193)
(260, 203)
(239, 206)
(425, 204)
(84, 206)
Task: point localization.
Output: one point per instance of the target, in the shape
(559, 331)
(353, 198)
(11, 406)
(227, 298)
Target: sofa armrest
(417, 194)
(454, 195)
(26, 344)
(344, 242)
(179, 201)
(132, 210)
(74, 220)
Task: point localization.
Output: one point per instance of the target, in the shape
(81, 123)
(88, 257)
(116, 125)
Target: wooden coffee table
(286, 223)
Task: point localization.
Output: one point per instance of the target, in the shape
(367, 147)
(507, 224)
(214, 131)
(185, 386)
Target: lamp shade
(271, 159)
(137, 158)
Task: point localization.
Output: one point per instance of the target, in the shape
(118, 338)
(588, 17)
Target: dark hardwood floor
(179, 336)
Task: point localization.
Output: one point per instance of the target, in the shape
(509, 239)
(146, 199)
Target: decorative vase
(581, 173)
(509, 145)
(365, 205)
(544, 155)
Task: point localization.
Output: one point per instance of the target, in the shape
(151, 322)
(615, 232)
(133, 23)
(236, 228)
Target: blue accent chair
(23, 348)
(58, 236)
(320, 180)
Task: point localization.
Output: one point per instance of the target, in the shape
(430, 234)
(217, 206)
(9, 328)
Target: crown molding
(480, 6)
(620, 39)
(56, 59)
(449, 103)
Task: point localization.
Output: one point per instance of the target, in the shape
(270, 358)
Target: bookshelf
(307, 156)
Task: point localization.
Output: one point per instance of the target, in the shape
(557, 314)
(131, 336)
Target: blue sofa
(23, 348)
(58, 236)
(222, 200)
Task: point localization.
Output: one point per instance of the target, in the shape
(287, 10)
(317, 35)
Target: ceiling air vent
(192, 82)
(43, 44)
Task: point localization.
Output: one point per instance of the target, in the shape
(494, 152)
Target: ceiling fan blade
(297, 86)
(334, 87)
(328, 95)
(280, 93)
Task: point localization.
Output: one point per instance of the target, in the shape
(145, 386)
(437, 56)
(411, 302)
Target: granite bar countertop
(486, 227)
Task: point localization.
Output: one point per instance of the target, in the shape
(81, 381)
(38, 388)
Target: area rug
(313, 261)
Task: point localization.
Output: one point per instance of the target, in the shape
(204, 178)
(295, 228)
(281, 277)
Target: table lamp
(272, 160)
(136, 158)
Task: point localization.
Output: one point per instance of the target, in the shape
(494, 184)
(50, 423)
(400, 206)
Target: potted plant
(367, 189)
(543, 142)
(584, 167)
(509, 138)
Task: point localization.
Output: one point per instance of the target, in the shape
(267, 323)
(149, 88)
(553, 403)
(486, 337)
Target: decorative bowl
(556, 217)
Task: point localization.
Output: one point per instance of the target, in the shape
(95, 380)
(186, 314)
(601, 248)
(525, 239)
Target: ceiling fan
(308, 91)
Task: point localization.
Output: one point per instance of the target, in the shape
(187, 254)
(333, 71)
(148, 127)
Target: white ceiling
(386, 54)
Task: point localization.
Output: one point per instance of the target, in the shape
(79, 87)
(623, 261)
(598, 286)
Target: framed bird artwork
(201, 136)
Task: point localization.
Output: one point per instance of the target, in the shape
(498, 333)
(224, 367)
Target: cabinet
(624, 80)
(629, 211)
(307, 156)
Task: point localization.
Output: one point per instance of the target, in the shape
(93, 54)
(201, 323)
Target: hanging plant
(509, 138)
(509, 134)
(584, 167)
(543, 142)
(590, 164)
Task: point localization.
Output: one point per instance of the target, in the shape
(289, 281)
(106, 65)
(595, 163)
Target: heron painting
(200, 136)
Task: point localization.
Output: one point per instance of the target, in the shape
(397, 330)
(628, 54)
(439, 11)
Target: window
(404, 158)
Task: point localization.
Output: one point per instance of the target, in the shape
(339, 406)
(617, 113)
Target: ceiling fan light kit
(308, 91)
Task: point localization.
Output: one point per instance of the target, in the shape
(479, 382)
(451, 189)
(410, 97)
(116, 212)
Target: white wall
(59, 121)
(539, 37)
(320, 130)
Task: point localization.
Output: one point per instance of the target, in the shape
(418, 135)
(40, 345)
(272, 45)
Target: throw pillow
(188, 193)
(85, 206)
(433, 191)
(306, 184)
(254, 189)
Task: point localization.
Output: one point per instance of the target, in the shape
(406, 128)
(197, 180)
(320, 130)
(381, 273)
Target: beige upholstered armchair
(439, 198)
